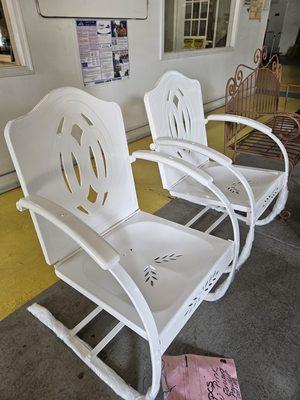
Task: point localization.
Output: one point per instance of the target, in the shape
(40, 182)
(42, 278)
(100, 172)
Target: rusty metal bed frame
(254, 93)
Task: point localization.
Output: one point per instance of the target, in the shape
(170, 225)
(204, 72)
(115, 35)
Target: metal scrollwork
(261, 61)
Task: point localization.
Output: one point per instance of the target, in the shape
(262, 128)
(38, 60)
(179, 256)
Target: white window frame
(15, 25)
(235, 10)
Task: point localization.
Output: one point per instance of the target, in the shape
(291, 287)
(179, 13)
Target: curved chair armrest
(95, 246)
(239, 120)
(193, 146)
(206, 180)
(148, 155)
(255, 125)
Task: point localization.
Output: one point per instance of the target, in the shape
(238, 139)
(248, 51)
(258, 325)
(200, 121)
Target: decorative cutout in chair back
(72, 149)
(175, 109)
(253, 92)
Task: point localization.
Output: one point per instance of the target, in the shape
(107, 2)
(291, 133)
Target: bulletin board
(106, 9)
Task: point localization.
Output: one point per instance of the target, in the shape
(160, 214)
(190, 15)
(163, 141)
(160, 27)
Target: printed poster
(103, 49)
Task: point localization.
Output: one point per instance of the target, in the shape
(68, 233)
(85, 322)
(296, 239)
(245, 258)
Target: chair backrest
(71, 149)
(175, 109)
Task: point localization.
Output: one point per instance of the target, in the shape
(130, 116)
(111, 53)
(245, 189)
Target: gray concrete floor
(256, 324)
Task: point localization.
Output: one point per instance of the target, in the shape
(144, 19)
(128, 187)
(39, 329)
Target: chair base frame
(84, 351)
(88, 354)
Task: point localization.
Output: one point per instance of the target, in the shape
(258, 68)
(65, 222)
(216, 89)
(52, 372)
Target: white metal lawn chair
(72, 160)
(175, 112)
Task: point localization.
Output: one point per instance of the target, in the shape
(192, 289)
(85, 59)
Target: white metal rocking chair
(175, 112)
(72, 160)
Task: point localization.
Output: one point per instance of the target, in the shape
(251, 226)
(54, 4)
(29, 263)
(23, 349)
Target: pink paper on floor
(192, 377)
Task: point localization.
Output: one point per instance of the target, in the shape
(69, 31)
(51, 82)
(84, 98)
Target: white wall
(275, 24)
(54, 51)
(291, 25)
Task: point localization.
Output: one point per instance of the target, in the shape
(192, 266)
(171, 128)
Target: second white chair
(178, 127)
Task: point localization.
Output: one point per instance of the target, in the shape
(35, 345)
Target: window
(197, 24)
(6, 51)
(14, 51)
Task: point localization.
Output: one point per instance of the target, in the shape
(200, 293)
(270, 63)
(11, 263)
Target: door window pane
(195, 28)
(196, 10)
(188, 11)
(202, 28)
(222, 23)
(204, 9)
(196, 24)
(187, 28)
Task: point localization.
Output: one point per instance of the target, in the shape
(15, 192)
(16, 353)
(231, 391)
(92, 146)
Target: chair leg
(89, 355)
(156, 375)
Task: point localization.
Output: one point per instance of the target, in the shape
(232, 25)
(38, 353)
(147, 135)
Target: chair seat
(265, 184)
(173, 266)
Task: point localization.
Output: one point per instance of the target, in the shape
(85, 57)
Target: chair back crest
(175, 109)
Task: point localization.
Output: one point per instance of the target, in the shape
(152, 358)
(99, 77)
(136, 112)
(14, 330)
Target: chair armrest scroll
(94, 245)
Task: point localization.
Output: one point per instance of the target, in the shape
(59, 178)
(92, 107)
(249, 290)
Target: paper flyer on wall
(103, 49)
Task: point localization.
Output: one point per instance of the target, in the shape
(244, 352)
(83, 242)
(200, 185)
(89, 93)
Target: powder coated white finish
(149, 273)
(175, 112)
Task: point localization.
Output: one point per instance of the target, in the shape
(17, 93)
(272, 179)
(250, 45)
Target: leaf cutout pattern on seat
(191, 306)
(167, 258)
(209, 283)
(271, 196)
(235, 185)
(150, 275)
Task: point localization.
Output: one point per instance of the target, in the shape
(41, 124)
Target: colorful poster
(103, 49)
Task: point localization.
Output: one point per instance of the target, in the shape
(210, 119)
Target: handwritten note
(193, 377)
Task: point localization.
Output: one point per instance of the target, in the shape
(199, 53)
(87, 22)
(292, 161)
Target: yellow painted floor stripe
(23, 271)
